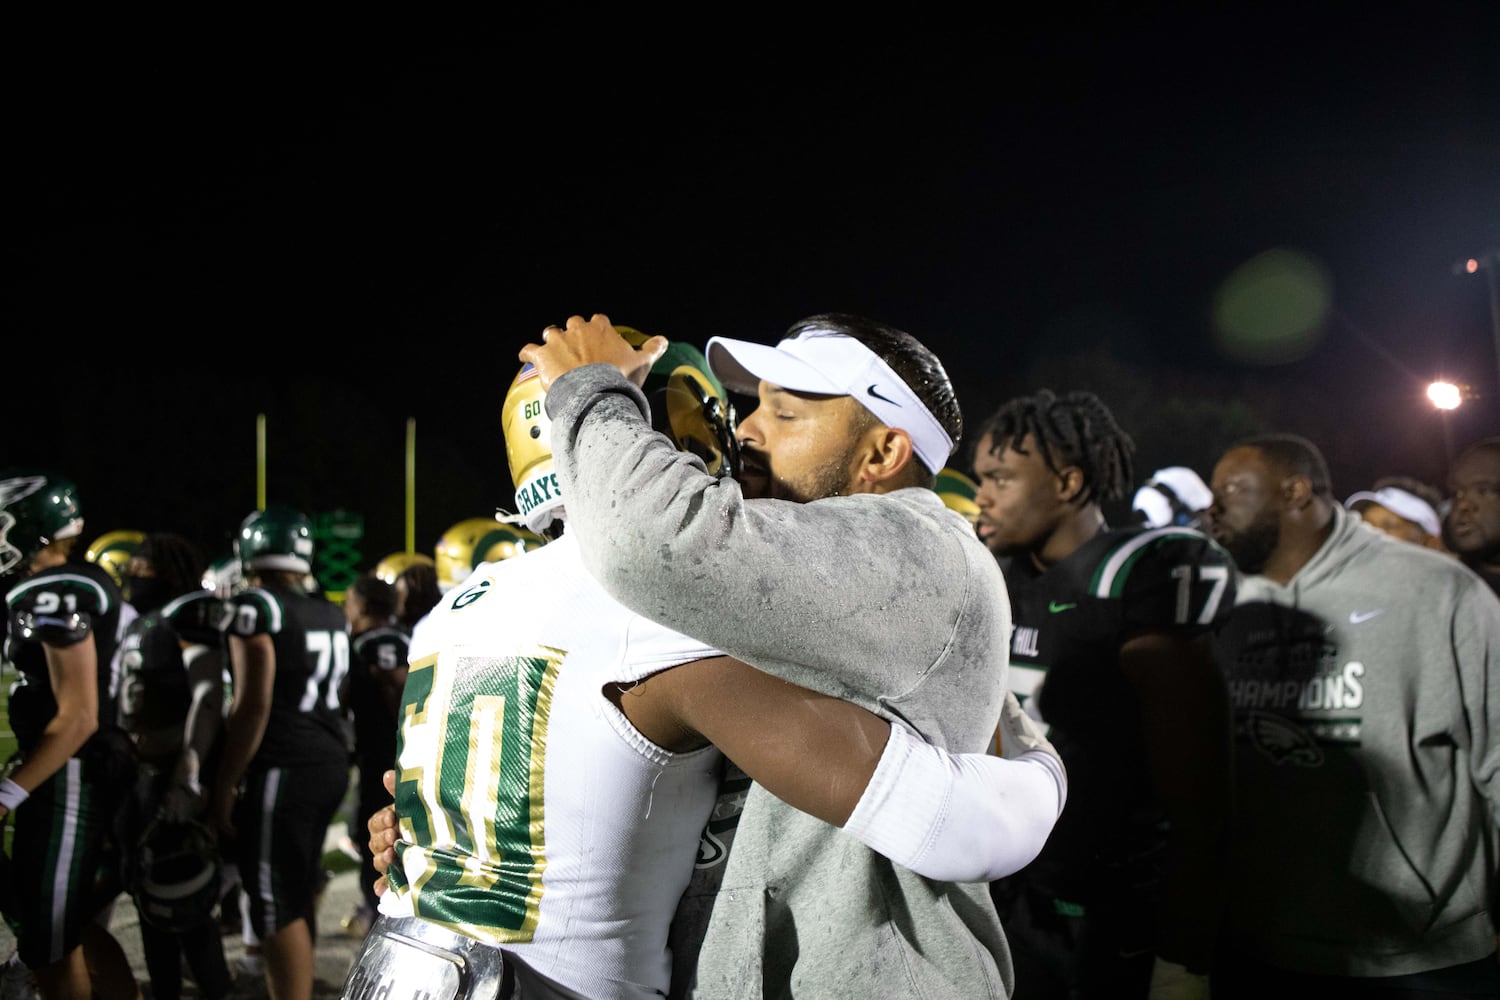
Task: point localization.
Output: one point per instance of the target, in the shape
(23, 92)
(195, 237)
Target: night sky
(346, 236)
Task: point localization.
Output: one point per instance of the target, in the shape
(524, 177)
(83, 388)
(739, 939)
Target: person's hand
(382, 827)
(181, 802)
(591, 341)
(1018, 732)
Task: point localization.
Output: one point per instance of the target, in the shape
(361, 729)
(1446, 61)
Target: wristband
(12, 794)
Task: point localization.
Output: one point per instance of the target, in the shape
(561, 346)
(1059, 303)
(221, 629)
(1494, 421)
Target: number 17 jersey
(1070, 622)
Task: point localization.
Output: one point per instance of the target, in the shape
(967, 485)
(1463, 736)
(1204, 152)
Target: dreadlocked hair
(175, 560)
(1074, 429)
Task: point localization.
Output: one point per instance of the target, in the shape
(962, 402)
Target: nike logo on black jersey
(1057, 606)
(887, 399)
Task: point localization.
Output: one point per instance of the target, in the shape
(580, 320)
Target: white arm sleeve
(968, 817)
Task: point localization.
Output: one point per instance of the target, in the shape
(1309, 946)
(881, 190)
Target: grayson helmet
(688, 405)
(476, 540)
(112, 550)
(275, 538)
(391, 566)
(37, 508)
(958, 492)
(177, 871)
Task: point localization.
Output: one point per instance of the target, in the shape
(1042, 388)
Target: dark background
(344, 235)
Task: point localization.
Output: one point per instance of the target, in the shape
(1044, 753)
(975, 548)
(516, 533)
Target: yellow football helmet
(687, 404)
(112, 550)
(475, 540)
(391, 566)
(958, 492)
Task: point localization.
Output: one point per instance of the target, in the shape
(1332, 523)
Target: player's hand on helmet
(590, 341)
(181, 803)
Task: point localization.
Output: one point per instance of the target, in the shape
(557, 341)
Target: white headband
(1403, 504)
(832, 364)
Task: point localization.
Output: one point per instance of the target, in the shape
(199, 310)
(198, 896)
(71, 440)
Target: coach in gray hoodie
(1364, 675)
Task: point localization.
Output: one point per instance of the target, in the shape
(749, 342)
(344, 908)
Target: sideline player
(63, 621)
(285, 764)
(1110, 650)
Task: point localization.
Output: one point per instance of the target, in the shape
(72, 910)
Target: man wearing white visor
(1396, 507)
(829, 562)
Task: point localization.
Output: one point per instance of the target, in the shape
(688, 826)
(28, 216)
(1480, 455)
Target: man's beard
(1252, 548)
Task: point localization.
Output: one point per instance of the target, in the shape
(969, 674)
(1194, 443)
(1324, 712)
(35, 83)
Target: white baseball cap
(833, 364)
(1402, 504)
(1175, 482)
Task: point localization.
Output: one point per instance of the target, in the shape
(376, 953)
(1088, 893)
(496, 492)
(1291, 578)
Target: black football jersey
(1069, 624)
(155, 691)
(306, 724)
(60, 606)
(376, 651)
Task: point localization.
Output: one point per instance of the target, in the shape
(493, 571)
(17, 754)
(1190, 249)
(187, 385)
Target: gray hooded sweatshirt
(889, 602)
(1366, 697)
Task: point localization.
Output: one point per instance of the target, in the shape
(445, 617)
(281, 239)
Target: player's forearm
(63, 737)
(245, 727)
(959, 817)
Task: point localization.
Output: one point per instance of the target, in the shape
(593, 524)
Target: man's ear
(1069, 484)
(885, 459)
(1296, 492)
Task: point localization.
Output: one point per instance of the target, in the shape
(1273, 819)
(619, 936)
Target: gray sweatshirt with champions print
(1366, 699)
(889, 602)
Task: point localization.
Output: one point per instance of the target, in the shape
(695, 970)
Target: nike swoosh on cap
(871, 391)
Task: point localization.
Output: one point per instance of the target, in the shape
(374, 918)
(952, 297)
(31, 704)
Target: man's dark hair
(177, 561)
(908, 357)
(1295, 455)
(422, 592)
(378, 596)
(1074, 429)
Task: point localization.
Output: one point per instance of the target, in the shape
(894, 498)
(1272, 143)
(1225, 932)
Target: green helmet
(275, 538)
(37, 508)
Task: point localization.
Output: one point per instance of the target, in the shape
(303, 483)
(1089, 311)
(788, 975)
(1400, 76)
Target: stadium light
(1445, 395)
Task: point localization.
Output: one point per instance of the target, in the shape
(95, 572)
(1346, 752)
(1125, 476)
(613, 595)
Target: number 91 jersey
(312, 656)
(1069, 625)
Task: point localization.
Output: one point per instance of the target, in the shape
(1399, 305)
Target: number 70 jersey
(532, 815)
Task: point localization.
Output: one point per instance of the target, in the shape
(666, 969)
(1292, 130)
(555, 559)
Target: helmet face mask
(176, 876)
(36, 509)
(277, 538)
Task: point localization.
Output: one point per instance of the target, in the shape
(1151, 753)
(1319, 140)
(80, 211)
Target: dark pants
(1239, 978)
